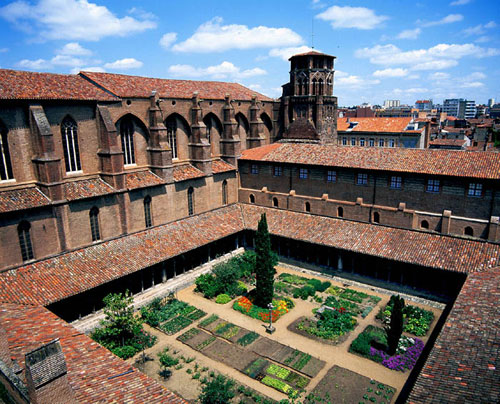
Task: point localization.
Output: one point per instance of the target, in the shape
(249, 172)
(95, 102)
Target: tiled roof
(143, 179)
(19, 199)
(86, 189)
(448, 142)
(16, 84)
(384, 125)
(420, 161)
(136, 86)
(186, 172)
(464, 364)
(94, 374)
(311, 53)
(412, 247)
(68, 274)
(220, 166)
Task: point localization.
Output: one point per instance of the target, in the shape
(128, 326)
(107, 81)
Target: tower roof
(312, 53)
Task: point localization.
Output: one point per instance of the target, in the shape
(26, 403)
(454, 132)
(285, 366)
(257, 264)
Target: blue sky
(389, 49)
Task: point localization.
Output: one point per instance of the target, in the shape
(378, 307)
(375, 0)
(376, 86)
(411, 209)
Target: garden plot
(344, 386)
(230, 354)
(196, 338)
(417, 321)
(357, 303)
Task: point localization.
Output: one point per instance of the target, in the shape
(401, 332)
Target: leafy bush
(293, 279)
(371, 336)
(304, 292)
(124, 352)
(166, 360)
(339, 303)
(353, 295)
(220, 390)
(417, 320)
(331, 325)
(318, 285)
(223, 299)
(207, 284)
(245, 263)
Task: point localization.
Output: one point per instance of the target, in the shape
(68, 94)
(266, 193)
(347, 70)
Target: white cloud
(287, 53)
(398, 72)
(435, 65)
(451, 18)
(66, 60)
(410, 33)
(75, 49)
(224, 70)
(354, 82)
(479, 29)
(34, 64)
(414, 77)
(168, 39)
(71, 19)
(352, 17)
(483, 39)
(472, 84)
(97, 69)
(475, 76)
(212, 36)
(459, 2)
(340, 73)
(123, 64)
(439, 76)
(414, 90)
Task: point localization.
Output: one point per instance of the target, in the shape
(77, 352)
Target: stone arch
(178, 134)
(275, 202)
(242, 129)
(251, 198)
(340, 211)
(214, 132)
(129, 126)
(307, 207)
(469, 231)
(424, 224)
(268, 126)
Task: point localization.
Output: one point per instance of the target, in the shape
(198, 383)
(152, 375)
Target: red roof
(311, 53)
(94, 374)
(16, 84)
(457, 163)
(186, 172)
(86, 189)
(136, 86)
(375, 124)
(143, 179)
(19, 199)
(220, 166)
(448, 142)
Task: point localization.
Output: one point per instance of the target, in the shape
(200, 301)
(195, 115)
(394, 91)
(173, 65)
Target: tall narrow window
(224, 192)
(371, 142)
(340, 211)
(94, 224)
(172, 136)
(5, 164)
(381, 143)
(23, 231)
(303, 173)
(331, 176)
(69, 132)
(344, 141)
(362, 141)
(127, 135)
(147, 211)
(353, 141)
(277, 171)
(191, 201)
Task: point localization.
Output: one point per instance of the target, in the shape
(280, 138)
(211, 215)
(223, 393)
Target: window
(362, 141)
(371, 142)
(127, 135)
(432, 186)
(252, 198)
(172, 136)
(23, 230)
(353, 141)
(331, 176)
(69, 132)
(278, 171)
(396, 182)
(362, 179)
(468, 231)
(5, 164)
(392, 143)
(190, 196)
(254, 169)
(475, 189)
(94, 224)
(303, 173)
(147, 211)
(381, 143)
(224, 192)
(376, 217)
(424, 224)
(308, 207)
(275, 202)
(344, 141)
(340, 211)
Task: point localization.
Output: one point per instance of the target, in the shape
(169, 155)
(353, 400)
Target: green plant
(277, 371)
(205, 343)
(264, 265)
(166, 360)
(247, 339)
(189, 371)
(196, 376)
(209, 320)
(174, 325)
(196, 314)
(190, 359)
(220, 390)
(277, 384)
(302, 361)
(179, 366)
(189, 334)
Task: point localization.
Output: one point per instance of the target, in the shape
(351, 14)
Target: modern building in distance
(460, 108)
(391, 104)
(491, 102)
(424, 105)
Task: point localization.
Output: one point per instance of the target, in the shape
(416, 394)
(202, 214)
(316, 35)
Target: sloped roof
(86, 189)
(376, 124)
(16, 84)
(485, 165)
(136, 86)
(448, 142)
(220, 166)
(142, 179)
(311, 53)
(186, 172)
(19, 199)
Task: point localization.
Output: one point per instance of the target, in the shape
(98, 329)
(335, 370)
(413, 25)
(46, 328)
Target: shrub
(245, 263)
(220, 390)
(223, 299)
(166, 360)
(124, 352)
(207, 284)
(304, 292)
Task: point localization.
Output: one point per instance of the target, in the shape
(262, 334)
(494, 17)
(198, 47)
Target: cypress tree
(264, 265)
(395, 329)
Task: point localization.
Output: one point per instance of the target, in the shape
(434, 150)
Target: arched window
(5, 163)
(308, 207)
(224, 192)
(340, 211)
(424, 224)
(94, 224)
(172, 136)
(147, 211)
(320, 87)
(69, 132)
(23, 230)
(190, 196)
(252, 198)
(376, 217)
(314, 85)
(468, 231)
(127, 134)
(275, 202)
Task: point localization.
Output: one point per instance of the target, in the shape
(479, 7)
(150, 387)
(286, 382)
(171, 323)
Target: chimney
(427, 134)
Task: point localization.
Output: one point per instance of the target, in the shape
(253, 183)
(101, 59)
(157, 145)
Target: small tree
(264, 265)
(219, 390)
(395, 329)
(166, 361)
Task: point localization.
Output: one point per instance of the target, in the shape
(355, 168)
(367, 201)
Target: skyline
(433, 50)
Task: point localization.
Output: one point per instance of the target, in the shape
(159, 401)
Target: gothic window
(23, 230)
(69, 132)
(172, 136)
(314, 84)
(224, 192)
(94, 224)
(127, 134)
(320, 87)
(190, 196)
(147, 211)
(5, 163)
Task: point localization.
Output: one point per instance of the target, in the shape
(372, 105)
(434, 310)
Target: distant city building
(481, 110)
(491, 102)
(391, 103)
(460, 108)
(423, 105)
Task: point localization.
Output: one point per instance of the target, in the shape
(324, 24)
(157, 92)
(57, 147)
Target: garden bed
(417, 321)
(230, 354)
(358, 303)
(344, 386)
(282, 306)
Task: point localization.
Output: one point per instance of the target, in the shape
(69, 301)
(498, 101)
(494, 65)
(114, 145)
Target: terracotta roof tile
(186, 172)
(448, 142)
(311, 53)
(136, 86)
(143, 179)
(16, 84)
(220, 166)
(463, 366)
(384, 125)
(20, 199)
(413, 247)
(94, 373)
(86, 189)
(420, 161)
